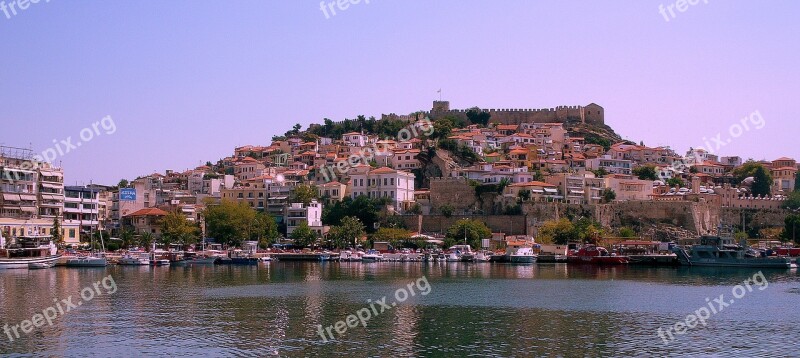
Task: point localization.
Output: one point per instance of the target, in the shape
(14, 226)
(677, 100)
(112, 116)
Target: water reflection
(473, 309)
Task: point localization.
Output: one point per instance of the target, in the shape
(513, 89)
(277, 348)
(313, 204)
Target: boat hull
(519, 259)
(23, 262)
(598, 260)
(93, 262)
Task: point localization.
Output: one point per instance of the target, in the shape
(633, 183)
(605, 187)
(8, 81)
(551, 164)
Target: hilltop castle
(591, 113)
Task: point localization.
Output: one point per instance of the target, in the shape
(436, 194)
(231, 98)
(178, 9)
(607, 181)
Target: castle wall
(589, 114)
(508, 224)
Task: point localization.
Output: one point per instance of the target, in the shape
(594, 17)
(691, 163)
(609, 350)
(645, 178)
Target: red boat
(595, 255)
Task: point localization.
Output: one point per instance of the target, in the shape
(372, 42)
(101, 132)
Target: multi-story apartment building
(297, 213)
(610, 165)
(383, 183)
(31, 196)
(81, 208)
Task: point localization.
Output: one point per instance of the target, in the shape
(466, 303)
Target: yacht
(721, 251)
(87, 261)
(522, 255)
(464, 252)
(22, 251)
(372, 256)
(134, 259)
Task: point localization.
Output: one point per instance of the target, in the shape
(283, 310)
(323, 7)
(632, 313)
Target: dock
(288, 256)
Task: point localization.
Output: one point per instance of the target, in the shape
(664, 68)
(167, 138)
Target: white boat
(265, 259)
(522, 255)
(453, 257)
(39, 265)
(90, 260)
(372, 256)
(129, 260)
(464, 253)
(483, 256)
(350, 256)
(22, 251)
(87, 261)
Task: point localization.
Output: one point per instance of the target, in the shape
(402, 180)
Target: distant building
(297, 213)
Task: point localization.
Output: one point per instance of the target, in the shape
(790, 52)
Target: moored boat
(22, 251)
(721, 251)
(372, 256)
(39, 265)
(595, 255)
(134, 259)
(522, 255)
(87, 261)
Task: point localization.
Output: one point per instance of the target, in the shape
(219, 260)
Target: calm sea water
(480, 310)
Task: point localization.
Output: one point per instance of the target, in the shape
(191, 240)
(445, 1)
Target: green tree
(797, 183)
(793, 201)
(473, 230)
(58, 237)
(559, 232)
(367, 210)
(232, 222)
(762, 184)
(673, 182)
(128, 239)
(304, 193)
(791, 225)
(177, 229)
(626, 232)
(646, 172)
(396, 237)
(441, 128)
(477, 116)
(146, 239)
(348, 232)
(303, 236)
(608, 195)
(266, 230)
(123, 183)
(746, 170)
(446, 210)
(599, 173)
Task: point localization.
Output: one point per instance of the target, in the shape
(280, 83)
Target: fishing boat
(464, 253)
(721, 251)
(350, 256)
(483, 256)
(134, 259)
(202, 260)
(522, 255)
(372, 256)
(595, 255)
(22, 251)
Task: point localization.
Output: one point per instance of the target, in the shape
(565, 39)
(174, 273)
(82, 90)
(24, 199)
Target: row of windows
(386, 194)
(386, 181)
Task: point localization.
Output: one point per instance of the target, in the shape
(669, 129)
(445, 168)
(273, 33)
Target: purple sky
(186, 82)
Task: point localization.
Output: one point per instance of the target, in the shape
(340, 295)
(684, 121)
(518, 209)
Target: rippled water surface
(479, 310)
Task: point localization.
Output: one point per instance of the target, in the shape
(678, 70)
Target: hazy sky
(186, 82)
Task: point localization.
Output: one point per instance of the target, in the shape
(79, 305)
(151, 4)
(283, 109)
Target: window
(392, 181)
(385, 181)
(71, 233)
(241, 195)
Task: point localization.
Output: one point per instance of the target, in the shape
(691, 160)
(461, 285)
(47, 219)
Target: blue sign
(127, 194)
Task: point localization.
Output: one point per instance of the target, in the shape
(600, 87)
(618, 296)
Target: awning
(11, 197)
(539, 191)
(29, 209)
(52, 197)
(48, 173)
(52, 186)
(549, 190)
(28, 197)
(278, 198)
(581, 192)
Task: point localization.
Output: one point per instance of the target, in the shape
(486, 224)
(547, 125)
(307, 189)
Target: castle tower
(441, 106)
